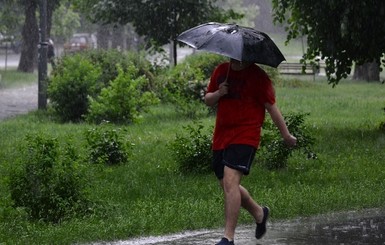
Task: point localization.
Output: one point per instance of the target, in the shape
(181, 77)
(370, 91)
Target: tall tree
(30, 37)
(30, 32)
(341, 32)
(158, 21)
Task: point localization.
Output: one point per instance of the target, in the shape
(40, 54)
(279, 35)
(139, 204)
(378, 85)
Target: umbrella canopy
(237, 42)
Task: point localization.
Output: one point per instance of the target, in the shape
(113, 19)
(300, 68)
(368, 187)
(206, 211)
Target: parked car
(9, 42)
(80, 42)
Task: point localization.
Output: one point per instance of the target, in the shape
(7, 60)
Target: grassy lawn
(13, 78)
(147, 195)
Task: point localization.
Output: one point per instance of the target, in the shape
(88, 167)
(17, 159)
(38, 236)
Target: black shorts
(237, 157)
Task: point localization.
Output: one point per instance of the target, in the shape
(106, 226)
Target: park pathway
(19, 100)
(353, 227)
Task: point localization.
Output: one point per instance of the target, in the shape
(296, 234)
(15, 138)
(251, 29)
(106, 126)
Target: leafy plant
(123, 100)
(193, 151)
(274, 153)
(205, 62)
(184, 86)
(49, 183)
(111, 60)
(75, 79)
(107, 145)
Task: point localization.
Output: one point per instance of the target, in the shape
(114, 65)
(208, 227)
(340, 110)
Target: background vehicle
(80, 42)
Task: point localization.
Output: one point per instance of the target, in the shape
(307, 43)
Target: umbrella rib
(237, 42)
(208, 39)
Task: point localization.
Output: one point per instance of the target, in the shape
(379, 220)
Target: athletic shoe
(225, 241)
(261, 227)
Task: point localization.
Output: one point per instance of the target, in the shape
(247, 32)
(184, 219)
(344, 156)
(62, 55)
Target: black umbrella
(237, 42)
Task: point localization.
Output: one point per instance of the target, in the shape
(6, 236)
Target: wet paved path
(15, 101)
(363, 227)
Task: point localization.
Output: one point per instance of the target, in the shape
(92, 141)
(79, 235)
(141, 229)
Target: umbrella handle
(228, 71)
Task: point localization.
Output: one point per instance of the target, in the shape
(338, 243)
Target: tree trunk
(51, 6)
(30, 37)
(368, 71)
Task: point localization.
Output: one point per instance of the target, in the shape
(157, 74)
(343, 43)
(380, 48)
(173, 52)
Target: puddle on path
(363, 227)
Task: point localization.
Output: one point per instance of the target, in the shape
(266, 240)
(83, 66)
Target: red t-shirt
(240, 113)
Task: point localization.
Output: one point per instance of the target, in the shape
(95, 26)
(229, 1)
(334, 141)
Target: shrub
(181, 79)
(184, 87)
(110, 60)
(48, 184)
(273, 152)
(123, 100)
(189, 78)
(78, 77)
(193, 151)
(205, 62)
(74, 80)
(107, 145)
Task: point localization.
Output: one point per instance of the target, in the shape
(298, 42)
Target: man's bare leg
(232, 192)
(260, 214)
(250, 205)
(232, 199)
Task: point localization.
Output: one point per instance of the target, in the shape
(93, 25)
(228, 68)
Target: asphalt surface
(16, 101)
(353, 227)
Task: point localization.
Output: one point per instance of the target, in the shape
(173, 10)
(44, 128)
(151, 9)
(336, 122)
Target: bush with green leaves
(205, 62)
(107, 145)
(189, 78)
(110, 60)
(180, 84)
(73, 82)
(184, 85)
(78, 77)
(123, 100)
(48, 182)
(273, 152)
(192, 151)
(185, 90)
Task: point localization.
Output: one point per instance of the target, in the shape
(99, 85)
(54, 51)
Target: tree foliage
(158, 21)
(10, 17)
(248, 9)
(340, 32)
(64, 22)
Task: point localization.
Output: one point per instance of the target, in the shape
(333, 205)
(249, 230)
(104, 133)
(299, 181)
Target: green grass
(147, 196)
(13, 78)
